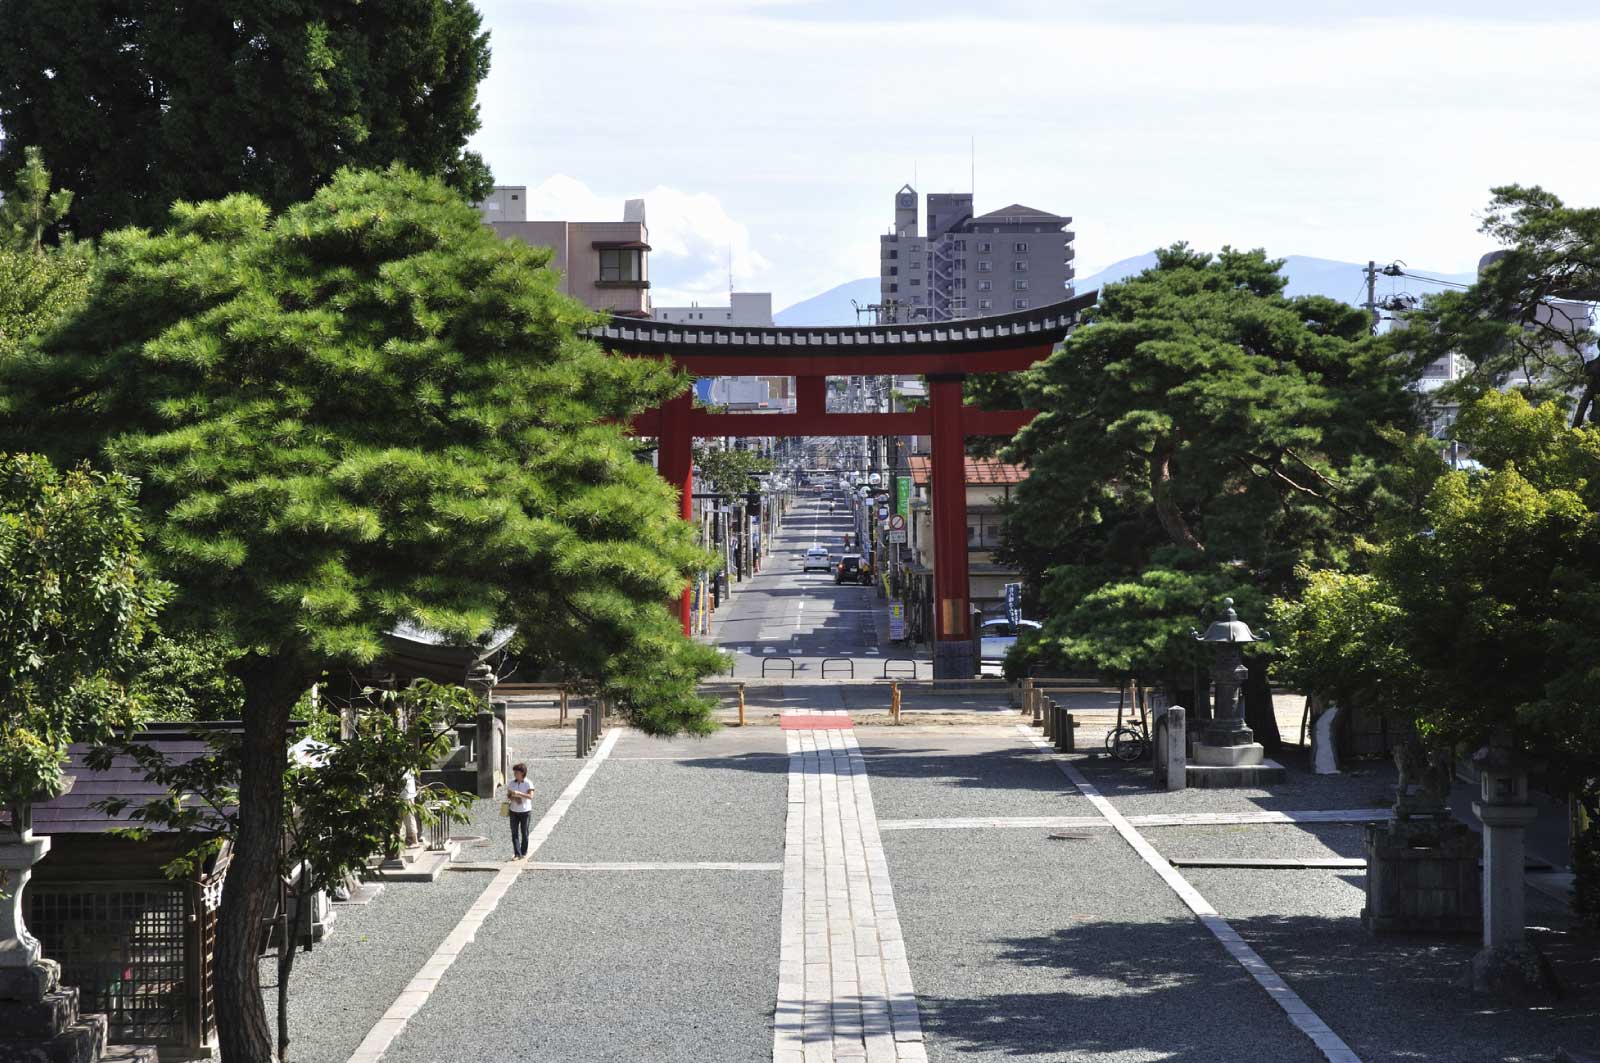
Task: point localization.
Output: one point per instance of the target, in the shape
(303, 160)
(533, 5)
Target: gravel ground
(345, 984)
(1258, 840)
(664, 967)
(1131, 789)
(725, 801)
(937, 773)
(1022, 948)
(1395, 999)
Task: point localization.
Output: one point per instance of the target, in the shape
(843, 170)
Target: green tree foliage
(140, 104)
(1200, 436)
(186, 678)
(731, 472)
(75, 601)
(30, 209)
(1526, 322)
(39, 284)
(1482, 612)
(365, 410)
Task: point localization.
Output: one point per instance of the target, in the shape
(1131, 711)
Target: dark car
(852, 569)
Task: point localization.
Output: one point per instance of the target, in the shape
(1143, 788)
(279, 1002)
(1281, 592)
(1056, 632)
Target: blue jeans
(519, 832)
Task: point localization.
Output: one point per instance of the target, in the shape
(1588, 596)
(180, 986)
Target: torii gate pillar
(675, 462)
(952, 645)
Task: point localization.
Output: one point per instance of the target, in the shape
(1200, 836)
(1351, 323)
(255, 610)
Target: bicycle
(1128, 742)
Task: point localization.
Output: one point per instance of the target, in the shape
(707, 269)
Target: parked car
(999, 636)
(817, 558)
(852, 568)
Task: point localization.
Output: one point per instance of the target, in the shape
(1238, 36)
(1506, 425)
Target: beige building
(603, 264)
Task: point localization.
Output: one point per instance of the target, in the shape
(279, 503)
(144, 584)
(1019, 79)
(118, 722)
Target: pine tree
(364, 410)
(1201, 436)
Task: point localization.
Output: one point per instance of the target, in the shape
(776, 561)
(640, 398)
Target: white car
(817, 558)
(999, 636)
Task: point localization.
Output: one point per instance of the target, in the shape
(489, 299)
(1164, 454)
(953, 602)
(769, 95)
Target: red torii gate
(946, 353)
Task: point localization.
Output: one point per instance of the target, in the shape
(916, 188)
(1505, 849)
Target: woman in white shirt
(519, 793)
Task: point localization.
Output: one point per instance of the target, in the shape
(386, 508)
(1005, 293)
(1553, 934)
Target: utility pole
(1372, 293)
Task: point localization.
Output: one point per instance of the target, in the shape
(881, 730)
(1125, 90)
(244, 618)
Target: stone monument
(1227, 753)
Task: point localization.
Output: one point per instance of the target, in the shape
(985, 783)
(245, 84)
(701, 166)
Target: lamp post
(1227, 753)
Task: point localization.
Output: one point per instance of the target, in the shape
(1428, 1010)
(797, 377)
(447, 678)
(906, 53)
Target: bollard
(580, 727)
(894, 700)
(563, 719)
(1047, 718)
(1030, 699)
(1069, 737)
(741, 704)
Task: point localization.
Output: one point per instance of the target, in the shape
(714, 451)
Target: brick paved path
(844, 988)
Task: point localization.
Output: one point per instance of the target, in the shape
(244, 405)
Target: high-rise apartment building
(963, 265)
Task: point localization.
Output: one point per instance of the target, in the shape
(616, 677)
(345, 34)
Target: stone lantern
(1508, 965)
(1227, 753)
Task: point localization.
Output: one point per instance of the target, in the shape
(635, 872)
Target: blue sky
(780, 129)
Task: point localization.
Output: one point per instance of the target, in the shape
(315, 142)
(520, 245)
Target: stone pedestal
(18, 948)
(1169, 748)
(1508, 966)
(1422, 877)
(953, 659)
(39, 1020)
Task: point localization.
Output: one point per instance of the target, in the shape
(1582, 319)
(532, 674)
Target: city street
(786, 613)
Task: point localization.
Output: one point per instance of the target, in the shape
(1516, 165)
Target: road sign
(897, 619)
(896, 535)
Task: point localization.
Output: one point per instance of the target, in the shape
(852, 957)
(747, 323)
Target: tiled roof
(1044, 323)
(979, 471)
(73, 812)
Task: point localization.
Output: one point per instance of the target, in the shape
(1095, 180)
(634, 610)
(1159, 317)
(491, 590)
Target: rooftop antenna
(972, 175)
(730, 273)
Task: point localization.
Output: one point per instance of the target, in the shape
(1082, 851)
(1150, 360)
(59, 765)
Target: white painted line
(996, 822)
(1299, 1012)
(682, 865)
(422, 985)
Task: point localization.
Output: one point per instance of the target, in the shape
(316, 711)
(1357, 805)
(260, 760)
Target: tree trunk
(1167, 511)
(249, 892)
(1258, 712)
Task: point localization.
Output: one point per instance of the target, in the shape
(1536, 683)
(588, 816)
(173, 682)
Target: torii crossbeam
(945, 353)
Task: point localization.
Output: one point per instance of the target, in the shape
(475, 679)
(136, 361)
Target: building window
(961, 284)
(961, 263)
(1019, 304)
(985, 286)
(984, 247)
(961, 245)
(916, 282)
(894, 287)
(985, 304)
(1020, 247)
(1020, 265)
(984, 265)
(894, 271)
(894, 254)
(959, 303)
(916, 300)
(621, 264)
(916, 263)
(1020, 284)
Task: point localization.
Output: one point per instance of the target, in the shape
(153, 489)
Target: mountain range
(1344, 281)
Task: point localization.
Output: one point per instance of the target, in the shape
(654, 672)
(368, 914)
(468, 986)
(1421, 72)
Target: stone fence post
(1169, 748)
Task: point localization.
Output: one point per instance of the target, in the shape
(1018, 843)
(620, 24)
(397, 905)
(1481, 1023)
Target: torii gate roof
(997, 344)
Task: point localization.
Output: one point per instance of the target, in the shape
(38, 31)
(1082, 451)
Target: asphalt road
(784, 613)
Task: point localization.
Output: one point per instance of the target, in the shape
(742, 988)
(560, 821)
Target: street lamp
(1228, 742)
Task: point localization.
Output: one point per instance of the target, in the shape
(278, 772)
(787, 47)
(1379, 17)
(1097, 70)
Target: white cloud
(693, 239)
